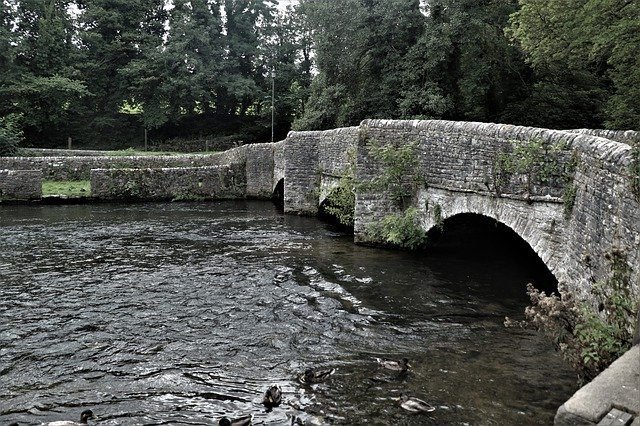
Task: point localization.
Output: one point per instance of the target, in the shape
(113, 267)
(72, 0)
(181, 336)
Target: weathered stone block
(20, 184)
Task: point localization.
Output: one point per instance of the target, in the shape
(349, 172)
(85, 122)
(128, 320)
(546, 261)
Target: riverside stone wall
(458, 163)
(20, 184)
(79, 168)
(211, 182)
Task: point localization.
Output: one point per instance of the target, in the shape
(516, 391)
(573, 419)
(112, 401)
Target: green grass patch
(69, 188)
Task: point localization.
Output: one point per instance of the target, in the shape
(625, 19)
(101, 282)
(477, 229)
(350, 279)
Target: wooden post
(69, 142)
(145, 139)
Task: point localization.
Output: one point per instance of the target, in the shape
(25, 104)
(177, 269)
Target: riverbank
(612, 398)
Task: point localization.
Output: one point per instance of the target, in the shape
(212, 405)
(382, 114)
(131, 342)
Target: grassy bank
(79, 188)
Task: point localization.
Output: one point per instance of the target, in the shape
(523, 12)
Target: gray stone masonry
(214, 182)
(618, 387)
(79, 167)
(20, 184)
(458, 163)
(311, 157)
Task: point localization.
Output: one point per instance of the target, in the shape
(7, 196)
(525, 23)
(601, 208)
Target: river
(180, 313)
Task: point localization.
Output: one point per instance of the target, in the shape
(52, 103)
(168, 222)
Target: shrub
(10, 135)
(400, 229)
(589, 340)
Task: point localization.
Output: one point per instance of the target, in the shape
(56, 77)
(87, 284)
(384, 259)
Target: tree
(39, 84)
(359, 55)
(598, 40)
(112, 34)
(463, 66)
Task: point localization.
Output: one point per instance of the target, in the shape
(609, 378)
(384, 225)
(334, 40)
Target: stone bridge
(573, 212)
(576, 208)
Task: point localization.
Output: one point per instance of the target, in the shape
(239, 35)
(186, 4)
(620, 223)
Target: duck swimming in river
(414, 405)
(401, 365)
(272, 397)
(84, 418)
(315, 375)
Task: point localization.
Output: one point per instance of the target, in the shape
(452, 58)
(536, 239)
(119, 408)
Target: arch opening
(277, 196)
(492, 248)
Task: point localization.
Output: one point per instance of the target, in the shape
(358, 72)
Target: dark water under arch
(180, 313)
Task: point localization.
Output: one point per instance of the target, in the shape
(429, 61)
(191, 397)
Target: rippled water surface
(181, 313)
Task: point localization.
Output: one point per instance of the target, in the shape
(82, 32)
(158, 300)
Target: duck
(401, 365)
(272, 397)
(239, 421)
(315, 375)
(414, 405)
(84, 419)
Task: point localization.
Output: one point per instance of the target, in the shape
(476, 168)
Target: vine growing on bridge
(534, 162)
(399, 178)
(340, 203)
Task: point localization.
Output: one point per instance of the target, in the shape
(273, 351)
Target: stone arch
(277, 194)
(539, 224)
(474, 233)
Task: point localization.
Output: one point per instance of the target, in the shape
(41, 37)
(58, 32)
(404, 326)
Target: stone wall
(260, 170)
(212, 182)
(79, 168)
(20, 184)
(458, 161)
(624, 136)
(309, 156)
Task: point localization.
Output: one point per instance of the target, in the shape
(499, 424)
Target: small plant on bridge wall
(536, 162)
(400, 229)
(400, 176)
(341, 201)
(589, 340)
(399, 179)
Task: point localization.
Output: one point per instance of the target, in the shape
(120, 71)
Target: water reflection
(183, 313)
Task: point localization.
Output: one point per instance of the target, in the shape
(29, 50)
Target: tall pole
(273, 99)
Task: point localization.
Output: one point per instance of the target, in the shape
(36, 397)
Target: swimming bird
(401, 365)
(315, 375)
(414, 405)
(84, 418)
(272, 397)
(240, 421)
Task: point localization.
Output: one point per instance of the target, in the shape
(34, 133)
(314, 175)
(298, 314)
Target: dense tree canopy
(101, 71)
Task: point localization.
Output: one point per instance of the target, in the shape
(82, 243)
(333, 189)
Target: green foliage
(340, 203)
(10, 135)
(399, 175)
(603, 338)
(589, 340)
(402, 230)
(598, 38)
(536, 162)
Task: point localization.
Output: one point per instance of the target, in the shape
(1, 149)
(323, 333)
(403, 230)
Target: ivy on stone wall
(340, 203)
(399, 176)
(400, 229)
(535, 162)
